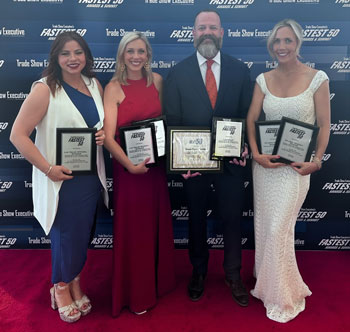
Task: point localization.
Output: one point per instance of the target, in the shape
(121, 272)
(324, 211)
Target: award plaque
(296, 141)
(139, 143)
(227, 138)
(266, 135)
(160, 129)
(189, 149)
(76, 150)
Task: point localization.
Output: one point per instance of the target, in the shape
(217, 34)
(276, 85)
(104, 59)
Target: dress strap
(262, 83)
(318, 79)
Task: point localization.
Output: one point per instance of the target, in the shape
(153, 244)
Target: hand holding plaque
(189, 149)
(295, 141)
(139, 143)
(76, 150)
(227, 138)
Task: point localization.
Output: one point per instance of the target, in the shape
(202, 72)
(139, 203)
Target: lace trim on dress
(315, 83)
(277, 314)
(318, 79)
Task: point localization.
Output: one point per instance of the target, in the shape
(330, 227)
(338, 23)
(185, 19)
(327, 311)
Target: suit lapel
(197, 80)
(224, 77)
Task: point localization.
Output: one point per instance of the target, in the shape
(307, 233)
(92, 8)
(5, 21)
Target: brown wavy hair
(53, 72)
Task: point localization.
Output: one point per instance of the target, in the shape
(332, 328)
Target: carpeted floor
(25, 303)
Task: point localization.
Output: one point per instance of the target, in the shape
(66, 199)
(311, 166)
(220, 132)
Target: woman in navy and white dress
(68, 95)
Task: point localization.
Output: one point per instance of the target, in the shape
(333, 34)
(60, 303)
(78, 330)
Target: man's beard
(208, 49)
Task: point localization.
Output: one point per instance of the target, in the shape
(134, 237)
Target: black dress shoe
(196, 287)
(238, 291)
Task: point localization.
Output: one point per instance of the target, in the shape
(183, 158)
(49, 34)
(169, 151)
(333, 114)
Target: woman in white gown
(296, 91)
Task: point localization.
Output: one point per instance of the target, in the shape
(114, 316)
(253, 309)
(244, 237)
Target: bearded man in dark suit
(187, 103)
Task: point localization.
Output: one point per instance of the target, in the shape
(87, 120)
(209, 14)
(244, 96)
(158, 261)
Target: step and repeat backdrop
(28, 27)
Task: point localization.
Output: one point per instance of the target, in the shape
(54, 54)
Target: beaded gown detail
(143, 235)
(279, 194)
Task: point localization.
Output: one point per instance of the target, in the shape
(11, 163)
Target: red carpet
(25, 303)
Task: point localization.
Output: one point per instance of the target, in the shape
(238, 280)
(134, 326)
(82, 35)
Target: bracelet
(49, 170)
(317, 161)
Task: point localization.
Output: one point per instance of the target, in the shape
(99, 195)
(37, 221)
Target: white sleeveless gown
(278, 196)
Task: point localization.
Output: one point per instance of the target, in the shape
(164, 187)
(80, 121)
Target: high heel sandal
(84, 304)
(66, 311)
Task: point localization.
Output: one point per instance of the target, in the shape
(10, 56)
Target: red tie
(210, 83)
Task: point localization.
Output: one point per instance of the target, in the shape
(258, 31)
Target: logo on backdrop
(13, 95)
(52, 2)
(235, 4)
(56, 29)
(308, 2)
(102, 241)
(299, 242)
(7, 242)
(121, 32)
(274, 64)
(343, 3)
(8, 32)
(3, 126)
(335, 242)
(341, 128)
(244, 33)
(338, 186)
(183, 34)
(31, 63)
(104, 65)
(182, 214)
(37, 240)
(341, 66)
(249, 213)
(2, 62)
(347, 214)
(11, 155)
(218, 241)
(4, 185)
(109, 182)
(319, 33)
(171, 2)
(162, 64)
(27, 184)
(175, 184)
(311, 215)
(182, 241)
(16, 213)
(100, 3)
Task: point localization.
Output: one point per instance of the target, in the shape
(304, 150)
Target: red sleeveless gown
(143, 236)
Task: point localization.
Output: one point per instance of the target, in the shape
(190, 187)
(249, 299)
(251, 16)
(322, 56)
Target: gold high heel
(66, 311)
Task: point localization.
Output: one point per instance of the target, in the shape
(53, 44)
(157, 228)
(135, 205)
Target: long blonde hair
(120, 73)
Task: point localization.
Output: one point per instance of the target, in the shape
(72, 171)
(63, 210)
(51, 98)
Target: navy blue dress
(78, 197)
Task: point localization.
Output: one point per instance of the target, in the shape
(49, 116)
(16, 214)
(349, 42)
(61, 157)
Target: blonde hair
(289, 23)
(120, 73)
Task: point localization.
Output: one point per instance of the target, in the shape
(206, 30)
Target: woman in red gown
(143, 238)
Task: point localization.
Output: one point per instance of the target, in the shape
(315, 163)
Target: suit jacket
(186, 101)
